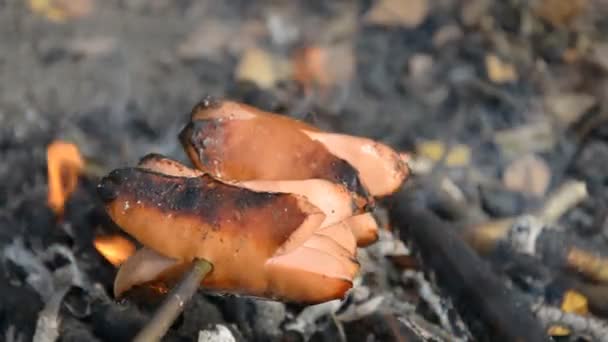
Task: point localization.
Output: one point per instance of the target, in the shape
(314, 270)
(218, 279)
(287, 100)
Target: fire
(64, 164)
(115, 248)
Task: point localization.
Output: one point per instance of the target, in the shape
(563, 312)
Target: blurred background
(500, 103)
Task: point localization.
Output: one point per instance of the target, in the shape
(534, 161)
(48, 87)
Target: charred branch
(479, 295)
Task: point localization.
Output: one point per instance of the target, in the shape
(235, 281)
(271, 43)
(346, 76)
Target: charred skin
(261, 146)
(255, 240)
(332, 198)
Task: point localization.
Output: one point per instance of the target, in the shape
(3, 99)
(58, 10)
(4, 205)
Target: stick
(174, 303)
(479, 295)
(566, 197)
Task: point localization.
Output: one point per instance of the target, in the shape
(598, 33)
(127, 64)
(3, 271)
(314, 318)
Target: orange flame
(115, 248)
(64, 164)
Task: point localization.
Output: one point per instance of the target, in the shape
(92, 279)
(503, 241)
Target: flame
(64, 164)
(115, 248)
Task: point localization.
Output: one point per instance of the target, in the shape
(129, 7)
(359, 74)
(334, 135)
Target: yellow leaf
(407, 14)
(575, 302)
(500, 71)
(557, 330)
(572, 302)
(459, 155)
(61, 10)
(262, 68)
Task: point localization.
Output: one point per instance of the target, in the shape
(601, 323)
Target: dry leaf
(599, 55)
(446, 34)
(534, 137)
(458, 156)
(560, 12)
(214, 37)
(61, 10)
(500, 71)
(573, 302)
(93, 46)
(569, 107)
(261, 67)
(323, 66)
(472, 11)
(528, 174)
(407, 14)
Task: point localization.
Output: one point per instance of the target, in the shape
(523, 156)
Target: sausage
(235, 141)
(278, 207)
(334, 200)
(263, 244)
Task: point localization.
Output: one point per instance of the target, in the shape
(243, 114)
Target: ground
(516, 89)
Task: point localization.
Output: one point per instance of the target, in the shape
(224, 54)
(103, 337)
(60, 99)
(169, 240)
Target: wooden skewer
(174, 304)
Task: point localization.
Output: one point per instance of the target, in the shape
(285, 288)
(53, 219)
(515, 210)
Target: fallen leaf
(528, 174)
(214, 37)
(447, 34)
(499, 71)
(61, 10)
(457, 156)
(558, 330)
(323, 66)
(569, 107)
(408, 14)
(573, 302)
(560, 12)
(472, 11)
(533, 137)
(599, 55)
(93, 46)
(262, 68)
(206, 40)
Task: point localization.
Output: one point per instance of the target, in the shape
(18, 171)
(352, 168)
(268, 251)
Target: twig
(174, 303)
(425, 289)
(305, 322)
(424, 329)
(566, 197)
(522, 232)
